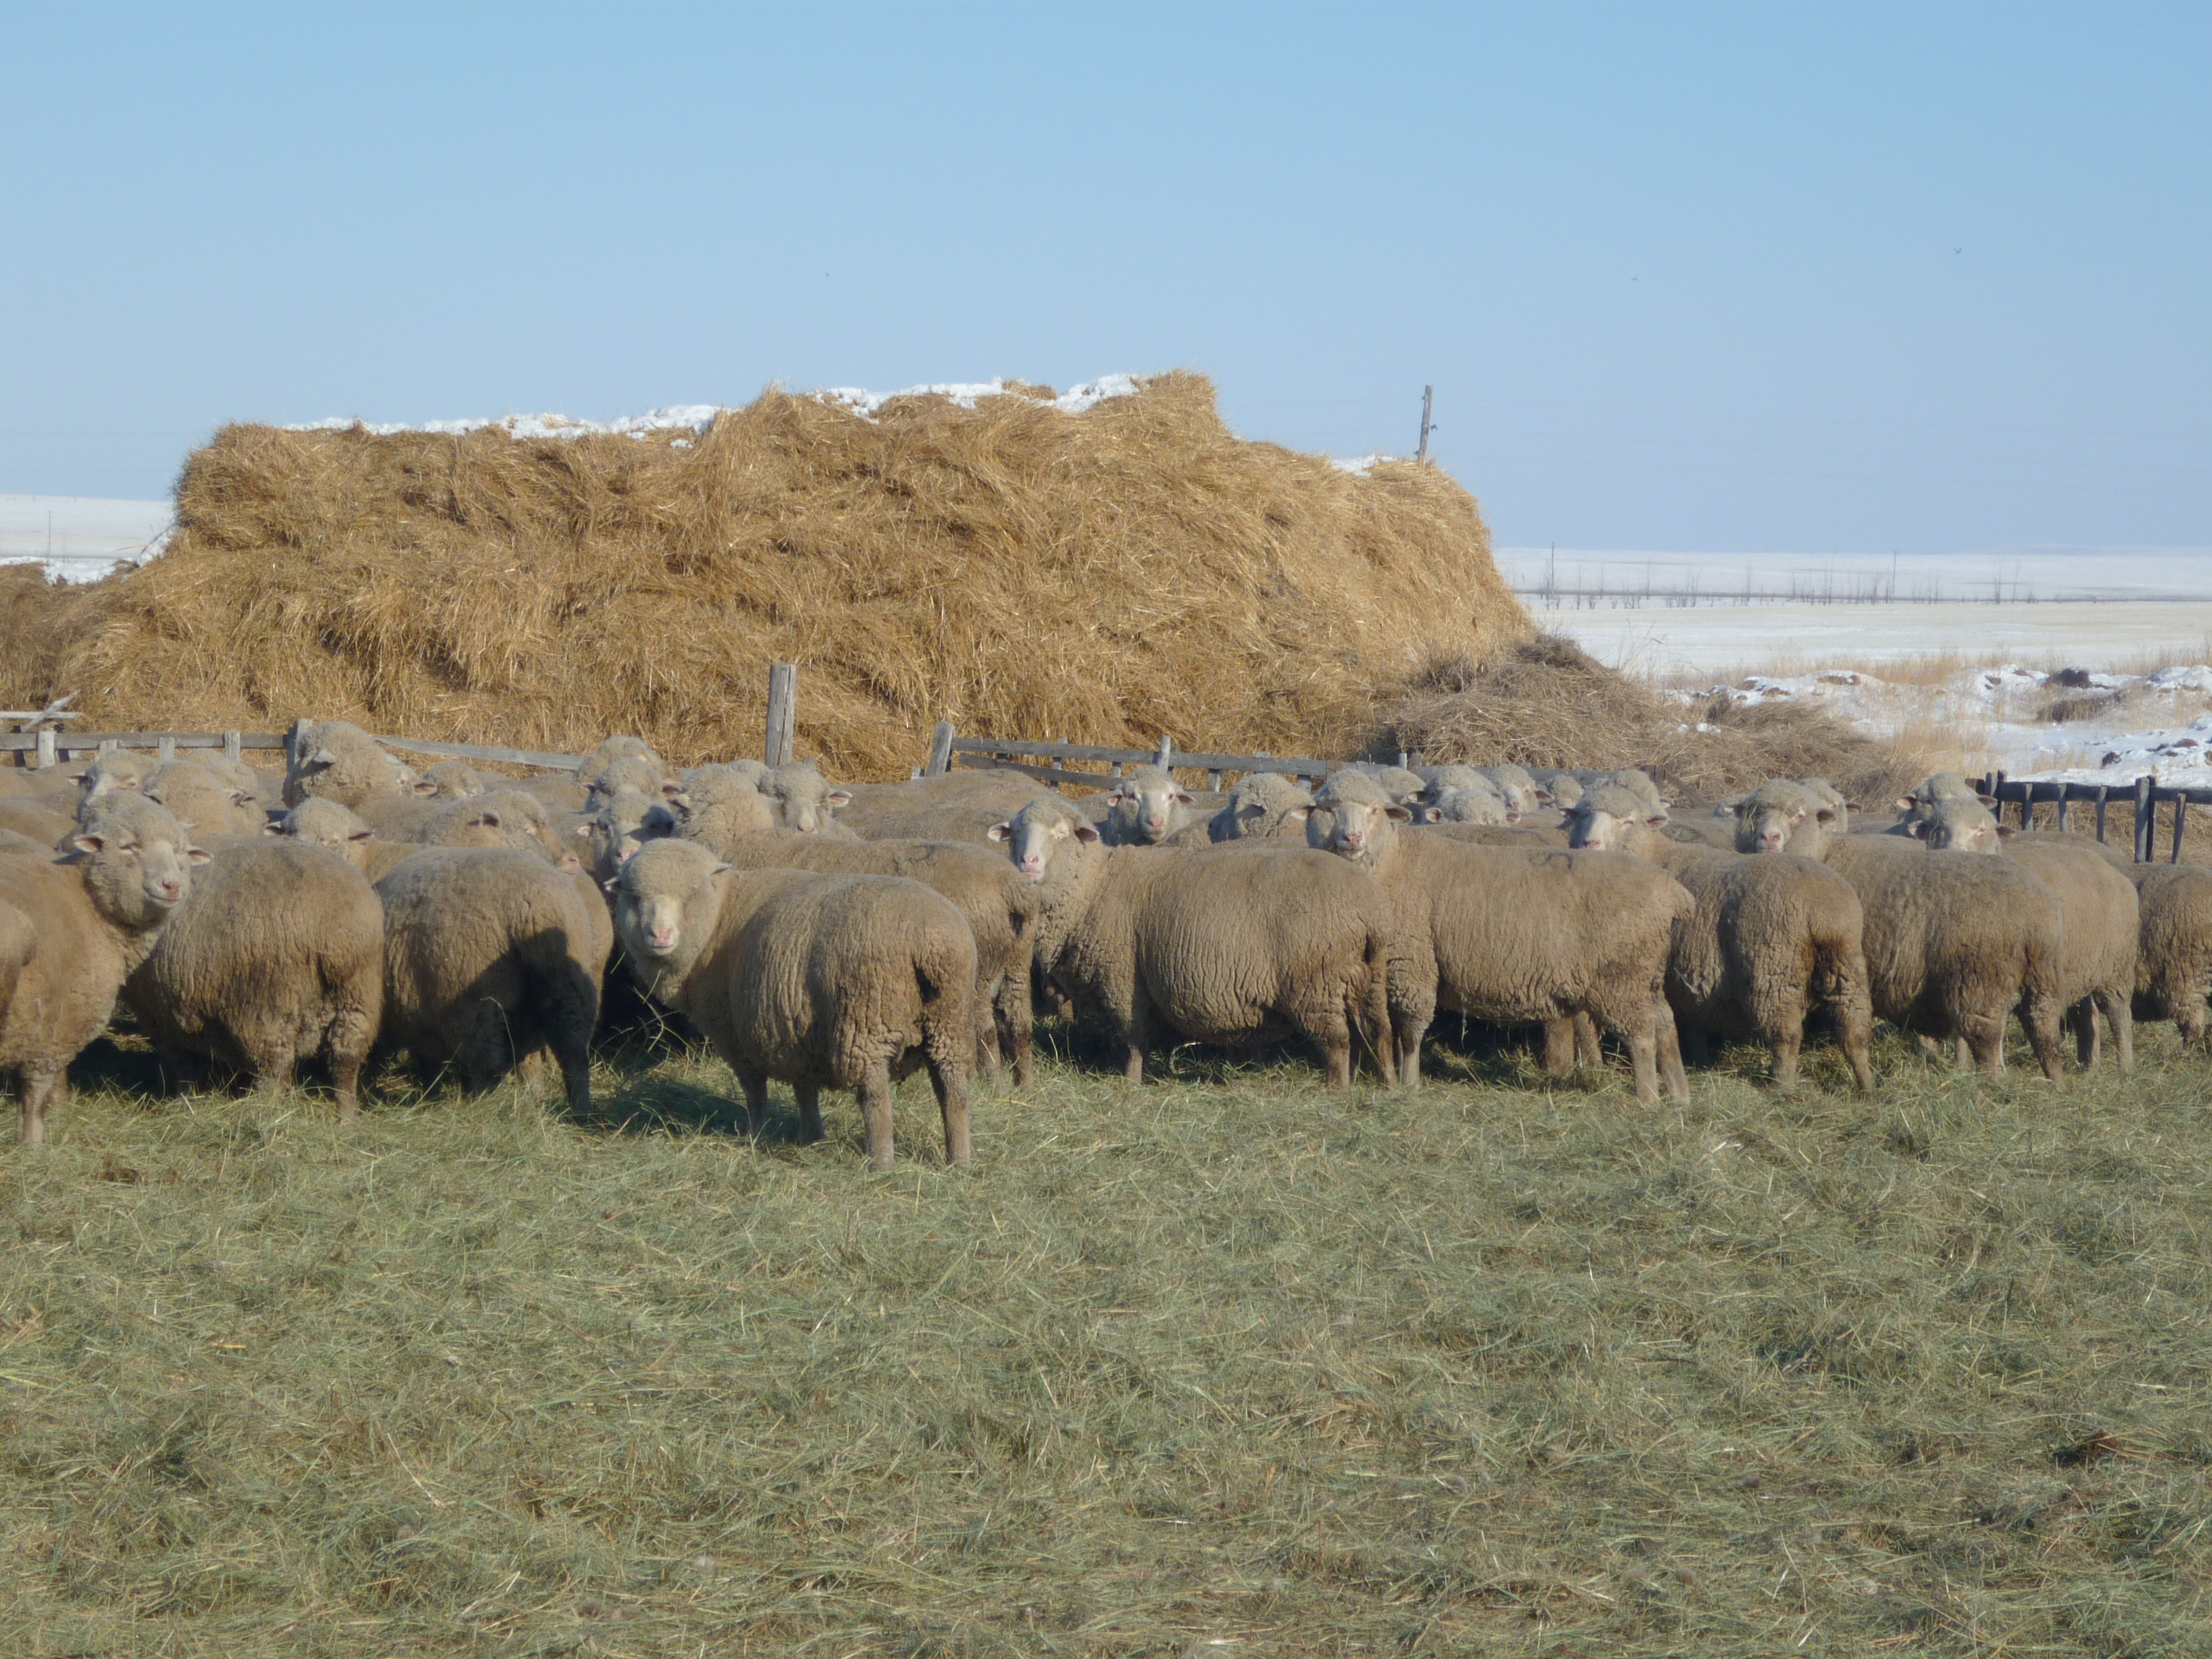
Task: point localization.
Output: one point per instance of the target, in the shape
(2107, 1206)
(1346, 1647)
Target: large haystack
(1105, 576)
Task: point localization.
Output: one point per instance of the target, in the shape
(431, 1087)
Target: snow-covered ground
(2110, 728)
(1733, 639)
(1565, 578)
(78, 538)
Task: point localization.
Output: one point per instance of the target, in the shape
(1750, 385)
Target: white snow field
(79, 538)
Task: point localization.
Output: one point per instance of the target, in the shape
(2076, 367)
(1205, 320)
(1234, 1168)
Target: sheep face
(1143, 805)
(1355, 819)
(803, 797)
(137, 863)
(1782, 817)
(117, 769)
(1032, 835)
(1612, 820)
(666, 899)
(1481, 802)
(1961, 826)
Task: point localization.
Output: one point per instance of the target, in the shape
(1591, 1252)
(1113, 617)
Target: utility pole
(1428, 393)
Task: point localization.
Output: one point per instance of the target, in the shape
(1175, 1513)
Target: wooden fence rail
(2145, 794)
(948, 750)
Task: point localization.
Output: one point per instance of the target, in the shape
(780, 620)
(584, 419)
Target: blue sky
(1778, 278)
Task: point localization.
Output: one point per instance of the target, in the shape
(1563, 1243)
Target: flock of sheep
(841, 938)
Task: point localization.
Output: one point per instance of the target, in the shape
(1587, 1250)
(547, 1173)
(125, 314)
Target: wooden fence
(948, 750)
(2145, 794)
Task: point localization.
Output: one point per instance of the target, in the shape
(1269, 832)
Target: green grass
(1218, 1366)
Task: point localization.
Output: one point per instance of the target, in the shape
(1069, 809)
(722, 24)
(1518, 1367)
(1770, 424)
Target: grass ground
(1221, 1365)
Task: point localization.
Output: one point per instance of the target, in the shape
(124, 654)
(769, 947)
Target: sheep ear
(1905, 803)
(89, 842)
(197, 855)
(78, 777)
(1987, 800)
(1735, 808)
(2006, 831)
(1398, 812)
(998, 832)
(1297, 815)
(490, 820)
(321, 757)
(272, 828)
(1543, 794)
(837, 797)
(1656, 823)
(1852, 806)
(361, 835)
(1824, 815)
(672, 790)
(1918, 828)
(423, 787)
(1084, 832)
(1252, 809)
(239, 798)
(719, 870)
(1185, 797)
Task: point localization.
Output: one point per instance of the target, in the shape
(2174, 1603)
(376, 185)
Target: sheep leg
(755, 1085)
(1670, 1052)
(2082, 1016)
(272, 1064)
(989, 1062)
(875, 1096)
(2040, 1019)
(1983, 1038)
(35, 1088)
(809, 1097)
(1559, 1047)
(1012, 1011)
(1963, 1053)
(2119, 1013)
(952, 1085)
(1588, 1054)
(572, 1047)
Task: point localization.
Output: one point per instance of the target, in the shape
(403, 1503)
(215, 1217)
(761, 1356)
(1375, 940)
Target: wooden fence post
(940, 751)
(782, 710)
(233, 745)
(2103, 791)
(1166, 752)
(2065, 799)
(2143, 820)
(2180, 811)
(46, 747)
(165, 749)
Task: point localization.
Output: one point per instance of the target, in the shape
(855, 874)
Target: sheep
(49, 828)
(199, 799)
(1400, 783)
(1494, 834)
(1521, 791)
(277, 954)
(2173, 964)
(1143, 808)
(802, 800)
(71, 931)
(265, 789)
(622, 826)
(611, 749)
(113, 770)
(490, 955)
(629, 772)
(2103, 915)
(1226, 944)
(1512, 934)
(1954, 942)
(750, 771)
(720, 810)
(1564, 787)
(1915, 804)
(455, 780)
(1263, 806)
(957, 805)
(320, 822)
(1479, 802)
(999, 906)
(557, 792)
(816, 981)
(1769, 938)
(1825, 793)
(338, 759)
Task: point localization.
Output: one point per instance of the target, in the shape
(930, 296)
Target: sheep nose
(660, 938)
(622, 856)
(169, 891)
(1355, 839)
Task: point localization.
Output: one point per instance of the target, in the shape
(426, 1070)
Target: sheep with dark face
(1234, 945)
(818, 981)
(71, 931)
(1955, 942)
(1512, 935)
